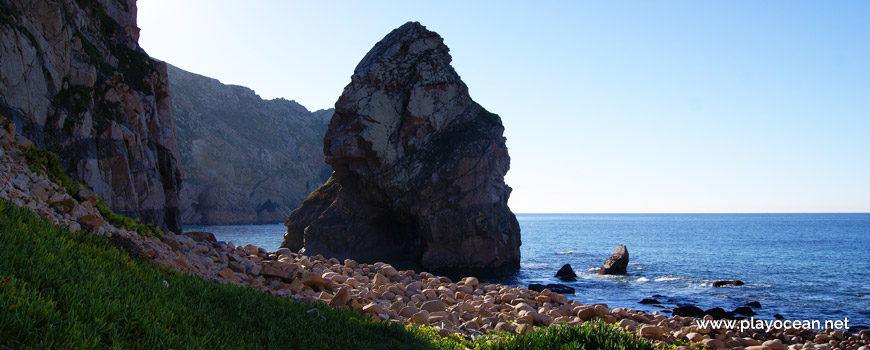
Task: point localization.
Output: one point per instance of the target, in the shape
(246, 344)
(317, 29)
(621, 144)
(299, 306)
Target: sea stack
(616, 263)
(418, 167)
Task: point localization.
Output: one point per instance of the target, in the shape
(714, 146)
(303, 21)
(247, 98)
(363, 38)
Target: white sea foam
(667, 279)
(643, 279)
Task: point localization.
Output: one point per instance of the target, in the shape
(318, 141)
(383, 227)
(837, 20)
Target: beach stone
(421, 317)
(587, 313)
(713, 343)
(775, 344)
(651, 332)
(380, 279)
(746, 341)
(374, 309)
(471, 282)
(389, 271)
(695, 337)
(201, 236)
(434, 306)
(504, 327)
(757, 347)
(566, 273)
(524, 328)
(229, 275)
(341, 297)
(279, 269)
(725, 283)
(617, 263)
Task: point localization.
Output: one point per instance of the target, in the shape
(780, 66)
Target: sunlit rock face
(418, 167)
(75, 81)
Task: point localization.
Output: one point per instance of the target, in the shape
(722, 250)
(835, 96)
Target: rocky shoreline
(464, 308)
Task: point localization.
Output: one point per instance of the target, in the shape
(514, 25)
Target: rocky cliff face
(74, 80)
(418, 167)
(246, 160)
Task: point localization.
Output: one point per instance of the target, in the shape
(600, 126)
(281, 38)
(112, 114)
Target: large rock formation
(418, 167)
(245, 160)
(75, 81)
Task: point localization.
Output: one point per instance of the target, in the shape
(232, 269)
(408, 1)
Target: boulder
(688, 310)
(745, 311)
(617, 263)
(88, 196)
(719, 313)
(201, 236)
(418, 168)
(566, 273)
(724, 283)
(649, 301)
(91, 221)
(754, 304)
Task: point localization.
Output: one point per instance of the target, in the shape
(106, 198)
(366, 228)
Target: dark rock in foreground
(649, 301)
(688, 310)
(617, 263)
(566, 273)
(735, 283)
(553, 287)
(418, 168)
(719, 313)
(745, 311)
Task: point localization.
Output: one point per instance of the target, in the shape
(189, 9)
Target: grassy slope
(65, 290)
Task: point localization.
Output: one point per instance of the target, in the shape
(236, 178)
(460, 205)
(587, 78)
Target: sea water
(801, 266)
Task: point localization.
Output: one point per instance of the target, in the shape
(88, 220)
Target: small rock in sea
(754, 304)
(566, 273)
(857, 329)
(778, 316)
(553, 287)
(719, 313)
(727, 283)
(659, 296)
(617, 263)
(648, 301)
(688, 310)
(745, 310)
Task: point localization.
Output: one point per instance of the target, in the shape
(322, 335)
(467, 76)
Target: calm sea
(802, 266)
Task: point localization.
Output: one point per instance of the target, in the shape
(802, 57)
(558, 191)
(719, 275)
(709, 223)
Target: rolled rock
(617, 263)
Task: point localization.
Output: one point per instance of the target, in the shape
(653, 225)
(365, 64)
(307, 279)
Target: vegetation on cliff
(77, 290)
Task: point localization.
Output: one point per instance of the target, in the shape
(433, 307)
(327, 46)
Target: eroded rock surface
(74, 80)
(246, 160)
(418, 167)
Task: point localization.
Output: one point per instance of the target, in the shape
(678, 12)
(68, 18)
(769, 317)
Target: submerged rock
(553, 287)
(688, 310)
(617, 263)
(418, 167)
(735, 283)
(566, 273)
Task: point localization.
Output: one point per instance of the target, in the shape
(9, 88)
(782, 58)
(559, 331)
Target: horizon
(674, 108)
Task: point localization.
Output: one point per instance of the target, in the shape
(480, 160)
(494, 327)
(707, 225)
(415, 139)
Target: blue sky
(609, 107)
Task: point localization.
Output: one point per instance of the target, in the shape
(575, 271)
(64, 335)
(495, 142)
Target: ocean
(801, 266)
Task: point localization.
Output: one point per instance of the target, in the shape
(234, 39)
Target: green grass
(68, 291)
(63, 290)
(588, 336)
(43, 162)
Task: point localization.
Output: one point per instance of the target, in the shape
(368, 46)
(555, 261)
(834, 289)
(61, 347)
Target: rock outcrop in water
(74, 80)
(418, 167)
(246, 160)
(616, 263)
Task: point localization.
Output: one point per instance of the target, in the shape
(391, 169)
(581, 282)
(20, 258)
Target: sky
(608, 107)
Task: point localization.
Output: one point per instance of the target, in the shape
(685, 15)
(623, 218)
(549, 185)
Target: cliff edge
(418, 167)
(74, 81)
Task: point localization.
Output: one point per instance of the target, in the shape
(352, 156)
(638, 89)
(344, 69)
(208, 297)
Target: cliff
(418, 167)
(74, 80)
(246, 160)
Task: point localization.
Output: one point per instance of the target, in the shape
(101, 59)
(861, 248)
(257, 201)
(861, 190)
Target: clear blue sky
(609, 106)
